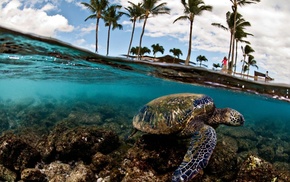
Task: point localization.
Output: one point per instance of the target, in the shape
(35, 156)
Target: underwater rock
(273, 150)
(238, 133)
(32, 174)
(282, 166)
(70, 143)
(108, 166)
(255, 169)
(246, 144)
(6, 174)
(84, 118)
(223, 162)
(99, 161)
(4, 124)
(56, 171)
(228, 141)
(280, 154)
(74, 172)
(81, 173)
(153, 158)
(15, 154)
(267, 152)
(267, 128)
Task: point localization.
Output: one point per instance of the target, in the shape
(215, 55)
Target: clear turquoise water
(24, 78)
(31, 78)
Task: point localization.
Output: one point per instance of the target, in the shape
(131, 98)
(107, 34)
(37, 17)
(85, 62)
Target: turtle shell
(171, 113)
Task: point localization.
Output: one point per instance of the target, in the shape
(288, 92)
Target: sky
(64, 20)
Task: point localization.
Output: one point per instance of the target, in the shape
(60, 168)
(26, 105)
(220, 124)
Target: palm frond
(245, 2)
(181, 18)
(219, 25)
(93, 16)
(89, 7)
(161, 9)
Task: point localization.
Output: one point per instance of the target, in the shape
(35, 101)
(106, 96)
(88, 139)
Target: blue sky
(64, 20)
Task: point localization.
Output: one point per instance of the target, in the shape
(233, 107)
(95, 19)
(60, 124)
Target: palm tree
(239, 35)
(150, 7)
(157, 48)
(134, 51)
(235, 4)
(111, 17)
(247, 50)
(134, 12)
(176, 52)
(216, 65)
(251, 62)
(200, 59)
(143, 50)
(96, 7)
(191, 9)
(229, 27)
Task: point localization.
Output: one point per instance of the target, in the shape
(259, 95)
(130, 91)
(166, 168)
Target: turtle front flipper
(198, 154)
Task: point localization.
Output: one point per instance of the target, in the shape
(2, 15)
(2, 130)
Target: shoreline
(206, 77)
(167, 67)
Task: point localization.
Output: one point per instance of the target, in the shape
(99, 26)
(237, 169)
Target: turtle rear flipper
(198, 154)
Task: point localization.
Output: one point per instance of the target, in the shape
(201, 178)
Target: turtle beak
(242, 120)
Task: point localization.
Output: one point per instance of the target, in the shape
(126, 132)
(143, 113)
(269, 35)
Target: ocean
(43, 82)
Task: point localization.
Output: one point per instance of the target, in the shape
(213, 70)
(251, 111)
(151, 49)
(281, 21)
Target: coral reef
(15, 154)
(53, 140)
(258, 170)
(32, 174)
(70, 144)
(6, 174)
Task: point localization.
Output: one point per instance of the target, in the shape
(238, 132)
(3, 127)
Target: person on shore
(224, 64)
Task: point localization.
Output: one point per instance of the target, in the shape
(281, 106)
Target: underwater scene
(66, 115)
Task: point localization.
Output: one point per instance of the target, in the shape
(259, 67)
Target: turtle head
(233, 117)
(227, 116)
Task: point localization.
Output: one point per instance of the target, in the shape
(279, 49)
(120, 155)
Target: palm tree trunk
(132, 35)
(97, 30)
(235, 6)
(243, 65)
(189, 44)
(236, 57)
(231, 63)
(108, 40)
(230, 49)
(141, 37)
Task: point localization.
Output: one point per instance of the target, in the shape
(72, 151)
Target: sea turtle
(187, 115)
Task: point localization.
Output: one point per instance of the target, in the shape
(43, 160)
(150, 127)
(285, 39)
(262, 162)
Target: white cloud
(79, 42)
(48, 7)
(271, 36)
(16, 15)
(34, 3)
(88, 29)
(81, 6)
(69, 1)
